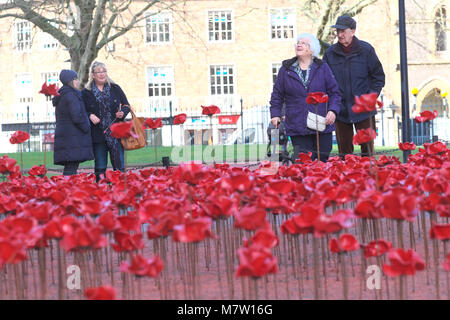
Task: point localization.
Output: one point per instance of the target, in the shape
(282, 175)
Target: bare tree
(83, 27)
(323, 14)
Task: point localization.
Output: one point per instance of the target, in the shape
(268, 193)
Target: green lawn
(232, 153)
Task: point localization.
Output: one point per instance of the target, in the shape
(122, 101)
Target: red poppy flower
(265, 238)
(250, 218)
(19, 137)
(210, 110)
(403, 263)
(129, 223)
(37, 171)
(193, 173)
(154, 124)
(281, 186)
(143, 267)
(11, 252)
(256, 261)
(406, 146)
(447, 263)
(440, 231)
(108, 221)
(193, 230)
(7, 164)
(316, 98)
(426, 115)
(126, 241)
(377, 248)
(237, 182)
(101, 293)
(82, 236)
(220, 206)
(435, 147)
(341, 219)
(366, 103)
(346, 242)
(304, 157)
(396, 205)
(49, 90)
(121, 130)
(179, 118)
(364, 135)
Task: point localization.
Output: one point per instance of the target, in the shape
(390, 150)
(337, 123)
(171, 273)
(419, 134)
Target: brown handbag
(133, 143)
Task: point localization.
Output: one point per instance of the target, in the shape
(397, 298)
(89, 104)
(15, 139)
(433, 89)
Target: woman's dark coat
(73, 141)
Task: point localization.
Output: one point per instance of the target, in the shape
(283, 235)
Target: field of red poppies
(355, 229)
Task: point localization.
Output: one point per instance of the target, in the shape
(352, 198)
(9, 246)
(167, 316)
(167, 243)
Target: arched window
(433, 101)
(440, 26)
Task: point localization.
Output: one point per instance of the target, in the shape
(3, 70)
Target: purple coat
(289, 90)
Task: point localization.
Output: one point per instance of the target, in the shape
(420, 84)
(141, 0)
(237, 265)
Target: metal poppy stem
(317, 132)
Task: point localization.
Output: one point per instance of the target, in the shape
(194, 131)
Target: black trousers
(308, 143)
(70, 168)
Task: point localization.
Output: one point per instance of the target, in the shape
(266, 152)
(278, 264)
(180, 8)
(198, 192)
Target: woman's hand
(119, 114)
(94, 119)
(275, 121)
(330, 118)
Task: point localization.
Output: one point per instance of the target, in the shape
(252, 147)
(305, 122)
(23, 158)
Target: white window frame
(146, 25)
(233, 66)
(20, 91)
(48, 39)
(294, 33)
(218, 99)
(166, 111)
(27, 43)
(233, 26)
(272, 65)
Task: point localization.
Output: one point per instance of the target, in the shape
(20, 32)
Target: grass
(144, 156)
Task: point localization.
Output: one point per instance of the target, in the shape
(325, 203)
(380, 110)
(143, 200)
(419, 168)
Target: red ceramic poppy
(346, 242)
(239, 182)
(426, 116)
(403, 263)
(304, 157)
(49, 90)
(316, 98)
(101, 293)
(7, 164)
(210, 110)
(364, 135)
(256, 261)
(11, 252)
(121, 129)
(219, 206)
(37, 171)
(19, 137)
(366, 103)
(435, 147)
(376, 248)
(250, 218)
(179, 118)
(154, 124)
(406, 146)
(265, 237)
(193, 230)
(192, 173)
(440, 231)
(126, 241)
(143, 267)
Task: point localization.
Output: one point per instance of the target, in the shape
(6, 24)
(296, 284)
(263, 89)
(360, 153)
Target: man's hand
(275, 121)
(94, 119)
(331, 117)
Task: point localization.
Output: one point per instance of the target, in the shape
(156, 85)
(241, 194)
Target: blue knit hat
(67, 75)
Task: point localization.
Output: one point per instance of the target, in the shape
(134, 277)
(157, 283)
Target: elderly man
(358, 71)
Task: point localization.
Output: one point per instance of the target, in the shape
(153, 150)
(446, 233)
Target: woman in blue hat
(73, 143)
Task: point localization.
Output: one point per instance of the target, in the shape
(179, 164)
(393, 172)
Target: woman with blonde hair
(106, 103)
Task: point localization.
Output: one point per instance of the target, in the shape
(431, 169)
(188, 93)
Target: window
(24, 87)
(440, 25)
(275, 69)
(23, 35)
(158, 28)
(50, 78)
(221, 80)
(282, 23)
(160, 90)
(220, 26)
